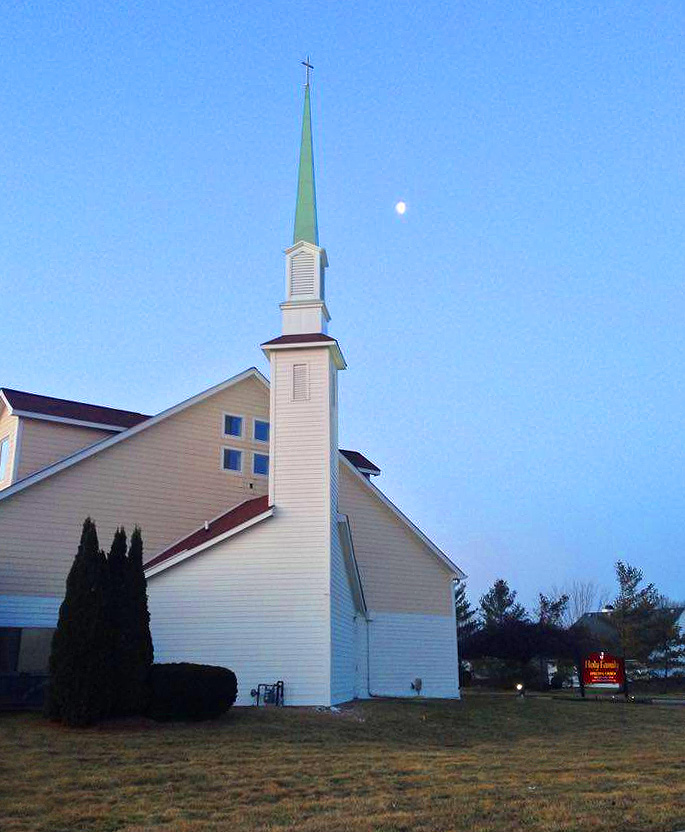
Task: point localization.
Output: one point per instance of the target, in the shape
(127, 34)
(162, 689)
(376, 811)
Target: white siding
(361, 657)
(261, 602)
(29, 610)
(251, 604)
(404, 646)
(342, 601)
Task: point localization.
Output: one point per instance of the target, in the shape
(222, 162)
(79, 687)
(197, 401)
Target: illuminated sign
(603, 670)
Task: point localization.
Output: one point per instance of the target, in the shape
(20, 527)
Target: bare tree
(583, 596)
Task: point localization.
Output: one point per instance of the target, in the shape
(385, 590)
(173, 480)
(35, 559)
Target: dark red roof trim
(66, 409)
(359, 461)
(231, 520)
(300, 338)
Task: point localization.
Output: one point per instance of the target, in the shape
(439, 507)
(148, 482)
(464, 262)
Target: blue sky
(515, 341)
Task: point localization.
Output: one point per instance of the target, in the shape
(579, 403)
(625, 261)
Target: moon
(400, 208)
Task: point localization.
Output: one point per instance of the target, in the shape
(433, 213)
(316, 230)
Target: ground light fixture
(520, 690)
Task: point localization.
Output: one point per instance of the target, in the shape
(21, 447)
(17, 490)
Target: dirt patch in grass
(486, 764)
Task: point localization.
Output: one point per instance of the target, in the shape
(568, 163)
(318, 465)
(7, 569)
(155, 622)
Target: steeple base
(301, 316)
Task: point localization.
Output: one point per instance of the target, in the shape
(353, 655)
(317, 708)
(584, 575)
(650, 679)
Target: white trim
(188, 553)
(8, 469)
(311, 247)
(347, 544)
(453, 568)
(254, 430)
(242, 426)
(67, 462)
(240, 451)
(28, 414)
(17, 450)
(333, 345)
(4, 399)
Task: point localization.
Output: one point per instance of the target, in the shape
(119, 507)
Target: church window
(261, 430)
(233, 425)
(232, 460)
(300, 382)
(260, 464)
(4, 456)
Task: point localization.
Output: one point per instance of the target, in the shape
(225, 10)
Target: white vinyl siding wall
(251, 604)
(260, 602)
(343, 659)
(404, 646)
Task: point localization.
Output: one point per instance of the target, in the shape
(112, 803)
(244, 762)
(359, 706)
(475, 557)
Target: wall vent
(300, 382)
(302, 274)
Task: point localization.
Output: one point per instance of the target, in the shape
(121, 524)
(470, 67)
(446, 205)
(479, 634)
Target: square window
(4, 456)
(260, 464)
(233, 460)
(261, 431)
(233, 425)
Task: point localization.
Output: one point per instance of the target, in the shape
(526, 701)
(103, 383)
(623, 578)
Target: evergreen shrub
(186, 691)
(81, 671)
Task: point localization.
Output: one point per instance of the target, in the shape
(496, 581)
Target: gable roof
(218, 529)
(361, 462)
(96, 448)
(35, 406)
(415, 530)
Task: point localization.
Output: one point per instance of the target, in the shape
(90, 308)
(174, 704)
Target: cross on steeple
(307, 67)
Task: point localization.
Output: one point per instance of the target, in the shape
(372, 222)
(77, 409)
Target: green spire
(306, 227)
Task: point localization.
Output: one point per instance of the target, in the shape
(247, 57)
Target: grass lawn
(487, 763)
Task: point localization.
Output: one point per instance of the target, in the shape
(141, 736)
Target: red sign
(603, 670)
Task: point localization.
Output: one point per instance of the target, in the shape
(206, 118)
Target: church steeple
(304, 310)
(306, 227)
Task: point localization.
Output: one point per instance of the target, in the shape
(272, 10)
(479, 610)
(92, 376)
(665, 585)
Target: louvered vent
(300, 382)
(302, 274)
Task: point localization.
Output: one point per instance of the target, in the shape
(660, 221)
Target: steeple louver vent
(300, 382)
(302, 274)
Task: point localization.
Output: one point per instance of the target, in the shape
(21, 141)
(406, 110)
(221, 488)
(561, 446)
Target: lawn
(489, 763)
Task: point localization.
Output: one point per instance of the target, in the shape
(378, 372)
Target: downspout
(368, 659)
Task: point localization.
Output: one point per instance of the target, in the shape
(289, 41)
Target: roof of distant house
(48, 407)
(226, 522)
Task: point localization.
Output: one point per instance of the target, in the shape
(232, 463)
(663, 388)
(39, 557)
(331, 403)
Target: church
(269, 549)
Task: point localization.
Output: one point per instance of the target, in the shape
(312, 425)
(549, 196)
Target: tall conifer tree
(139, 641)
(80, 661)
(465, 614)
(119, 614)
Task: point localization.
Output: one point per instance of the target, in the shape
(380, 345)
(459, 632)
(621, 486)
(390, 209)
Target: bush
(190, 691)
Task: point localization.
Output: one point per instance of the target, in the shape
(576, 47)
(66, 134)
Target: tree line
(640, 625)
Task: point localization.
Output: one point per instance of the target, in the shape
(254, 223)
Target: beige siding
(167, 479)
(43, 443)
(8, 428)
(399, 573)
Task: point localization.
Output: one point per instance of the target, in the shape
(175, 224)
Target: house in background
(270, 551)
